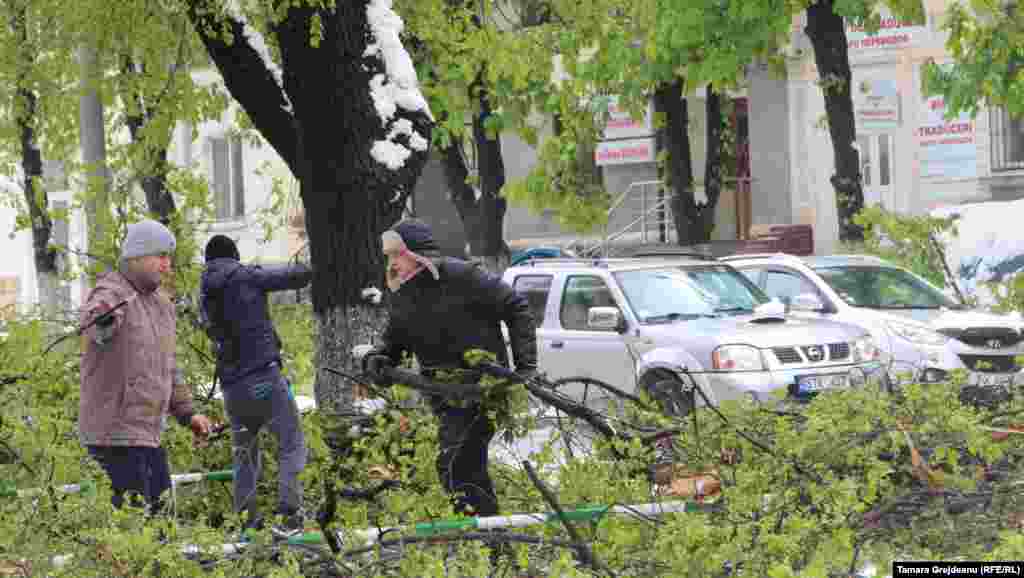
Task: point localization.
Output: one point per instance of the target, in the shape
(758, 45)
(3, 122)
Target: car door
(577, 350)
(536, 288)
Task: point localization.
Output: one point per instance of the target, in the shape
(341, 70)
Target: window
(685, 293)
(785, 285)
(1007, 134)
(536, 289)
(877, 162)
(753, 274)
(884, 288)
(581, 293)
(228, 177)
(864, 146)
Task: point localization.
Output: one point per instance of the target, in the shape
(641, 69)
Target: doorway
(876, 167)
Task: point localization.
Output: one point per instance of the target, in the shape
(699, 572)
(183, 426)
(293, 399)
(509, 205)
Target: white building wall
(260, 165)
(897, 60)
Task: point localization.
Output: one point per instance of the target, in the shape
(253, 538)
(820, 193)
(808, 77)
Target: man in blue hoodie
(234, 307)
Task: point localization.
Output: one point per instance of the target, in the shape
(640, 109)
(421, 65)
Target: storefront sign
(621, 125)
(623, 152)
(948, 149)
(877, 105)
(892, 33)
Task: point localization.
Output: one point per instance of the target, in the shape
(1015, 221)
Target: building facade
(913, 159)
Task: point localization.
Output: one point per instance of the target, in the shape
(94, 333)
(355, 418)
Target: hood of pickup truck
(750, 330)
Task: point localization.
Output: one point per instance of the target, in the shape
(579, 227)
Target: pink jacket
(129, 374)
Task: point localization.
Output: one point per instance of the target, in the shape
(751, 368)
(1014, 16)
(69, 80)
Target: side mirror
(605, 319)
(806, 302)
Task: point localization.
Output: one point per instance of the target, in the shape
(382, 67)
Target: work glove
(104, 316)
(373, 366)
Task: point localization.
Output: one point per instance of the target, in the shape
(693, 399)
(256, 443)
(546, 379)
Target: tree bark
(482, 216)
(827, 31)
(323, 123)
(677, 174)
(154, 166)
(712, 162)
(36, 200)
(92, 135)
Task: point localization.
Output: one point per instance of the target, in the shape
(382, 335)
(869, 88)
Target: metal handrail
(658, 206)
(622, 197)
(642, 220)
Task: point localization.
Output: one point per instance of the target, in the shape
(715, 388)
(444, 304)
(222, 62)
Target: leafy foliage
(984, 43)
(816, 490)
(812, 491)
(912, 242)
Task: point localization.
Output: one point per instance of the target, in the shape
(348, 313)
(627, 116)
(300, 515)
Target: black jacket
(233, 303)
(438, 320)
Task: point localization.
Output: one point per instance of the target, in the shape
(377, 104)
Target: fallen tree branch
(584, 552)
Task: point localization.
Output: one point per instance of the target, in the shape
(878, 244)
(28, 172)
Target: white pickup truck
(644, 323)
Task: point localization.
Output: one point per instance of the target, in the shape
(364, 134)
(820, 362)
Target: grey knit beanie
(147, 238)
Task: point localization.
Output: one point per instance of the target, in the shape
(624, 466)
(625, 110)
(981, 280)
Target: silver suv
(637, 323)
(924, 333)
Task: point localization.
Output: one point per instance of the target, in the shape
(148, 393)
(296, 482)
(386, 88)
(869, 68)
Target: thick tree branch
(247, 77)
(154, 169)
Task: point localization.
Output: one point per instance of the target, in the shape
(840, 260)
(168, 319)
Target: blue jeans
(266, 400)
(142, 471)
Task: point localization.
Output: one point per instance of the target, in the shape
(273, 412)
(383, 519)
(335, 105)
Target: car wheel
(672, 397)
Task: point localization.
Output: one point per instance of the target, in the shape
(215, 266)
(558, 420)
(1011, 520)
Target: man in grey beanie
(129, 375)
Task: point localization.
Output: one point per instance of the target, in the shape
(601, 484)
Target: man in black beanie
(233, 304)
(441, 308)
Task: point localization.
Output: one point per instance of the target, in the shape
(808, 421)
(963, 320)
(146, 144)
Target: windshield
(884, 288)
(674, 293)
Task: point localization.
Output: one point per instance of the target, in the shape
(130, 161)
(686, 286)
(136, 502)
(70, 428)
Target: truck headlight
(916, 334)
(864, 349)
(737, 358)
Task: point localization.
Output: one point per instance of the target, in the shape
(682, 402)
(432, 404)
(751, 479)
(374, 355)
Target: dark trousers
(265, 401)
(464, 435)
(142, 472)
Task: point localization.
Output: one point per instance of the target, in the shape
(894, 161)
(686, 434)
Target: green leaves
(984, 43)
(909, 241)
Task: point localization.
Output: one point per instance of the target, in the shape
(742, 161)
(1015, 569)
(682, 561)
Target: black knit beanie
(417, 235)
(219, 247)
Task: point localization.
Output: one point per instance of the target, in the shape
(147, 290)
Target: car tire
(672, 397)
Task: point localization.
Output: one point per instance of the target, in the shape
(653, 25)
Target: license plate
(815, 383)
(995, 379)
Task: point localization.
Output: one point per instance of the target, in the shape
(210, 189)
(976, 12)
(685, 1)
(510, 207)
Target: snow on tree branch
(397, 88)
(258, 43)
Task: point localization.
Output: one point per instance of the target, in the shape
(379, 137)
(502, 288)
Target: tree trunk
(677, 173)
(159, 200)
(339, 330)
(481, 209)
(92, 135)
(323, 122)
(827, 31)
(712, 162)
(36, 201)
